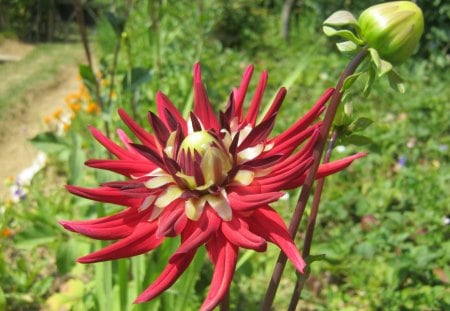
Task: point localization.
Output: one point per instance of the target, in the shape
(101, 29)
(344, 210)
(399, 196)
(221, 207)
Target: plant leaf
(341, 18)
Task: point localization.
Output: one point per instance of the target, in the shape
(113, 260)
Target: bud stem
(307, 186)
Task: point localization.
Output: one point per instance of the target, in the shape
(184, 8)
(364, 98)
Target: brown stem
(84, 39)
(307, 186)
(301, 279)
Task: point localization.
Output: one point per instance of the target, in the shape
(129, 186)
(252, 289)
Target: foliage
(381, 223)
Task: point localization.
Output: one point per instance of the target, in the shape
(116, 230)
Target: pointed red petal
(224, 259)
(267, 223)
(276, 104)
(176, 266)
(239, 94)
(207, 225)
(112, 227)
(307, 119)
(145, 137)
(328, 169)
(202, 106)
(141, 241)
(163, 104)
(252, 113)
(236, 231)
(110, 145)
(124, 167)
(287, 146)
(248, 202)
(104, 194)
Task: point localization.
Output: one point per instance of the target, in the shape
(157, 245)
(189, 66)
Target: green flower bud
(393, 29)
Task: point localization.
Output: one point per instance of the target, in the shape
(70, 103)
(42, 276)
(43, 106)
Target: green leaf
(396, 82)
(350, 80)
(370, 80)
(65, 256)
(347, 34)
(88, 77)
(361, 124)
(117, 23)
(50, 143)
(341, 18)
(384, 68)
(358, 140)
(136, 78)
(76, 160)
(346, 46)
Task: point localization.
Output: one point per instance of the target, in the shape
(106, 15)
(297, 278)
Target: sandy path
(26, 120)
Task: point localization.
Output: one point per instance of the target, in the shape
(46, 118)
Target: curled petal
(112, 227)
(202, 106)
(236, 231)
(105, 194)
(248, 202)
(124, 167)
(268, 224)
(145, 137)
(165, 107)
(256, 101)
(141, 241)
(110, 145)
(223, 254)
(176, 266)
(239, 94)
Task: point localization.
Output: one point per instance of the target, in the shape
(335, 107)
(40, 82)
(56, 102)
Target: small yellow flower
(6, 233)
(47, 119)
(92, 108)
(57, 113)
(66, 126)
(75, 106)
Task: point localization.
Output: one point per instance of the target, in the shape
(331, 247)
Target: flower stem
(301, 279)
(311, 176)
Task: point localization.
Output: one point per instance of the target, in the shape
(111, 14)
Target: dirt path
(23, 119)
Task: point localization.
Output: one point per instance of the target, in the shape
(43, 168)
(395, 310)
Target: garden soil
(24, 119)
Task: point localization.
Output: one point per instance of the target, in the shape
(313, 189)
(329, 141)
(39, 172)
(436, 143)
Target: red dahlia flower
(209, 180)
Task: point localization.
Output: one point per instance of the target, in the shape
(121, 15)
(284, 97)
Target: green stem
(311, 176)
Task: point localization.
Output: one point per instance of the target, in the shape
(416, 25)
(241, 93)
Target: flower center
(204, 161)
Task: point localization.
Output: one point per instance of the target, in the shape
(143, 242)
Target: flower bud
(393, 29)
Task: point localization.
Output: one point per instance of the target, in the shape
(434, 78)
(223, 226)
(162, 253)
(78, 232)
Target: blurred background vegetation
(383, 224)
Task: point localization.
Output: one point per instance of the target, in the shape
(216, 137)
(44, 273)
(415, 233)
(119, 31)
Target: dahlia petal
(163, 104)
(110, 145)
(158, 181)
(327, 169)
(141, 241)
(244, 177)
(145, 137)
(239, 94)
(168, 219)
(116, 226)
(149, 154)
(236, 231)
(307, 119)
(267, 223)
(256, 101)
(176, 266)
(123, 167)
(261, 163)
(250, 153)
(159, 128)
(194, 208)
(168, 196)
(104, 194)
(276, 104)
(220, 204)
(204, 228)
(202, 106)
(259, 133)
(225, 264)
(148, 201)
(287, 146)
(248, 202)
(285, 180)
